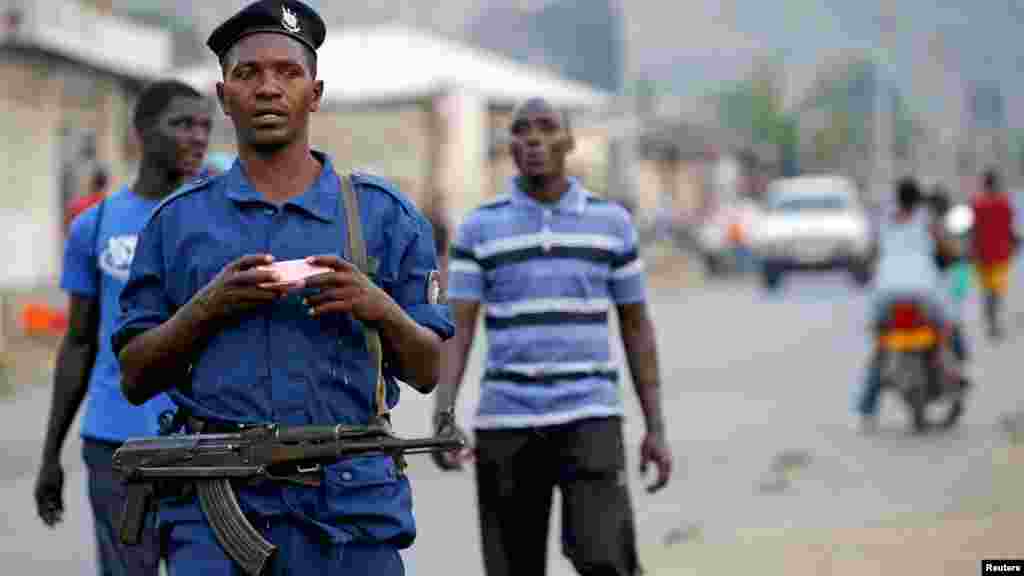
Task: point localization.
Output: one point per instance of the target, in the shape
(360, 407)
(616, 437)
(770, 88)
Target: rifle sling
(357, 253)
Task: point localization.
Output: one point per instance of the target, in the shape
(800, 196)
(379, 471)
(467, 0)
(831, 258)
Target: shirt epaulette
(187, 189)
(365, 178)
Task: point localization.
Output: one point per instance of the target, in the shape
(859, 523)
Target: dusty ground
(749, 378)
(953, 543)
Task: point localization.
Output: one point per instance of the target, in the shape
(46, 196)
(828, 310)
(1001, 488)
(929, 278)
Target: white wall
(464, 159)
(30, 211)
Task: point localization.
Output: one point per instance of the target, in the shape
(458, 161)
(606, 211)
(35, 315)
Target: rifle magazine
(239, 539)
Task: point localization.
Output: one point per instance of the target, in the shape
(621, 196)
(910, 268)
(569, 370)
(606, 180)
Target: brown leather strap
(357, 252)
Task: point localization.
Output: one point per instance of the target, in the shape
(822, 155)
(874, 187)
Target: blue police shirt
(279, 364)
(108, 416)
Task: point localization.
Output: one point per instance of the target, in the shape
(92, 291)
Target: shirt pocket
(362, 472)
(362, 486)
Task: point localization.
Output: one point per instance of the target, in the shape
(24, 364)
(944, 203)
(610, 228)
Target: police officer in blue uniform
(200, 321)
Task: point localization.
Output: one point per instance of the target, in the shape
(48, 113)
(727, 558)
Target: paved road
(750, 379)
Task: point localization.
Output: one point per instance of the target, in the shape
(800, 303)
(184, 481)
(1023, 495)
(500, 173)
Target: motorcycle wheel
(918, 412)
(913, 382)
(956, 409)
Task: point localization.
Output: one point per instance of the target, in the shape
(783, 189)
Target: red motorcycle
(917, 363)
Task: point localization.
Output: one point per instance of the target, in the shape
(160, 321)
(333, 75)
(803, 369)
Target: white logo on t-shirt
(116, 257)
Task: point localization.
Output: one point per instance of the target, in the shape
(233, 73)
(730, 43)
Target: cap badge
(289, 20)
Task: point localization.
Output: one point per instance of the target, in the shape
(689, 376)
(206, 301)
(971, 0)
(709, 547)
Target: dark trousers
(193, 550)
(993, 313)
(107, 496)
(516, 473)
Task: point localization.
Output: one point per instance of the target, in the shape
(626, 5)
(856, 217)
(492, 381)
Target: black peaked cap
(288, 17)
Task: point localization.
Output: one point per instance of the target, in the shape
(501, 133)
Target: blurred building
(675, 167)
(427, 112)
(69, 73)
(680, 144)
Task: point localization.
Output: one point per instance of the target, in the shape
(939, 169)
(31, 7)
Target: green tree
(754, 109)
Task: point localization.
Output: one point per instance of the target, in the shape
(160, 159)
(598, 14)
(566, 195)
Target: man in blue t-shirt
(173, 123)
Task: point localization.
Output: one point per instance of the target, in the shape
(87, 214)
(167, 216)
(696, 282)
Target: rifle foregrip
(239, 539)
(133, 514)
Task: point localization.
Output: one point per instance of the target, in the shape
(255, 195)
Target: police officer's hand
(237, 288)
(346, 290)
(49, 493)
(655, 450)
(452, 459)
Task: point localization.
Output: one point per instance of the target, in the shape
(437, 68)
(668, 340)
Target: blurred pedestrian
(549, 261)
(94, 193)
(173, 123)
(994, 244)
(437, 213)
(954, 273)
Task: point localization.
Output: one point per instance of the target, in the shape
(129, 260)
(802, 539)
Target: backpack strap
(357, 252)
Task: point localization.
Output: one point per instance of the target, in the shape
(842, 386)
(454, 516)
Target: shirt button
(346, 476)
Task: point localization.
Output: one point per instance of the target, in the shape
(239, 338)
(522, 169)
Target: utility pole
(883, 116)
(622, 147)
(953, 116)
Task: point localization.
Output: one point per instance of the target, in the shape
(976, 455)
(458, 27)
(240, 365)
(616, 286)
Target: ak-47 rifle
(211, 461)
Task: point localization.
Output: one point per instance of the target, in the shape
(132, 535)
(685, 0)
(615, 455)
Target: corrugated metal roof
(398, 63)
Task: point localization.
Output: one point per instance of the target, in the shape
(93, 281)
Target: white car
(812, 223)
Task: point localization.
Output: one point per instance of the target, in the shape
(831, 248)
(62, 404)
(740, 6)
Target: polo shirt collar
(320, 200)
(572, 202)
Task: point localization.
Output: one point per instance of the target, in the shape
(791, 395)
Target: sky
(695, 46)
(700, 43)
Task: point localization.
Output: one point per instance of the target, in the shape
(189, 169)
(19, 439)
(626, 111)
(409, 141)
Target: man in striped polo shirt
(548, 261)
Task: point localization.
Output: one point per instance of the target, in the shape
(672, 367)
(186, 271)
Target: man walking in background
(548, 262)
(173, 123)
(437, 213)
(994, 244)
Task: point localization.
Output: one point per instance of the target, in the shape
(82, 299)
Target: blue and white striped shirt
(548, 275)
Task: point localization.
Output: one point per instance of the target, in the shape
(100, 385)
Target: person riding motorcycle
(906, 269)
(954, 270)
